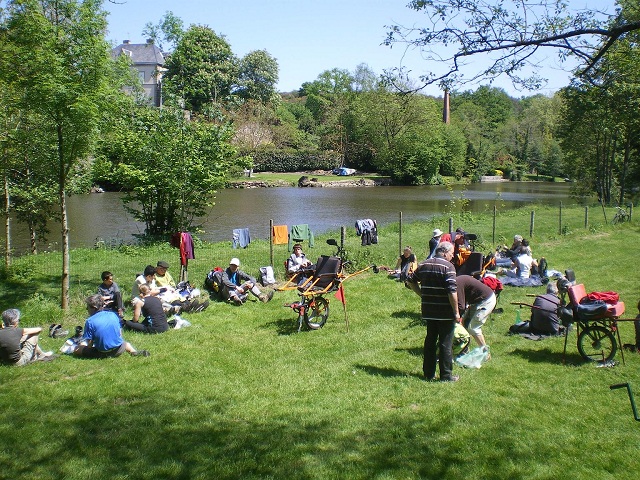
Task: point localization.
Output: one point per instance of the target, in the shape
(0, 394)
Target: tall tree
(61, 71)
(202, 70)
(166, 33)
(171, 166)
(258, 75)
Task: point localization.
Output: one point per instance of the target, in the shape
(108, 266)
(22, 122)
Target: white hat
(437, 232)
(517, 238)
(234, 261)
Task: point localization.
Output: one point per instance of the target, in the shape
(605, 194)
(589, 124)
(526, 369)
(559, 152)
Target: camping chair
(598, 327)
(472, 265)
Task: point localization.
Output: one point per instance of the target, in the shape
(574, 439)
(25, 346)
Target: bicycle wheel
(597, 343)
(316, 313)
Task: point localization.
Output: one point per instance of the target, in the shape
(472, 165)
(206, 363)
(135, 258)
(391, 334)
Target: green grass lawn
(293, 177)
(241, 394)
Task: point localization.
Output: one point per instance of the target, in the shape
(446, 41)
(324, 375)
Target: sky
(308, 37)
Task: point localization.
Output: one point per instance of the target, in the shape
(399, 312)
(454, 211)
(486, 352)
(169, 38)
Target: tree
(258, 75)
(202, 70)
(171, 167)
(166, 33)
(509, 37)
(61, 73)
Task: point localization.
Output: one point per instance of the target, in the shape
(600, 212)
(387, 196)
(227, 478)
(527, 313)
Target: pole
(400, 234)
(493, 233)
(560, 220)
(532, 223)
(271, 242)
(586, 217)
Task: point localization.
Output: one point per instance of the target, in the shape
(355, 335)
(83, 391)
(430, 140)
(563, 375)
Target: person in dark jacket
(544, 313)
(236, 285)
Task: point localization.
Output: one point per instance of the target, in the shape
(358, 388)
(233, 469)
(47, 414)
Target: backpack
(213, 280)
(266, 276)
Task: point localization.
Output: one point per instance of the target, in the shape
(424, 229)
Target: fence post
(451, 227)
(271, 242)
(343, 229)
(400, 233)
(586, 217)
(560, 220)
(532, 222)
(630, 212)
(493, 234)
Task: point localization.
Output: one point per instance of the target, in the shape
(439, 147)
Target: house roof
(140, 53)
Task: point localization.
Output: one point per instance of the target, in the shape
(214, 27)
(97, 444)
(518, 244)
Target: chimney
(150, 41)
(445, 110)
(125, 42)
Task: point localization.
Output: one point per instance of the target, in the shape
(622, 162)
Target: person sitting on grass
(171, 302)
(102, 336)
(523, 263)
(544, 313)
(162, 277)
(154, 320)
(111, 294)
(406, 264)
(236, 285)
(19, 346)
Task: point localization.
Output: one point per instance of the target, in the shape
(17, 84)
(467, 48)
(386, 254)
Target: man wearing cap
(162, 277)
(433, 243)
(297, 261)
(236, 285)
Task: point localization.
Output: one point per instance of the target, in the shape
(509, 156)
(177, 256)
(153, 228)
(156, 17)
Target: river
(101, 217)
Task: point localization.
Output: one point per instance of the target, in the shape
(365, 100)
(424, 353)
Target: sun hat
(437, 232)
(234, 261)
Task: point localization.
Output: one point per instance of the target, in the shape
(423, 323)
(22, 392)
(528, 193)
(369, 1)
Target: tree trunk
(625, 167)
(65, 250)
(7, 222)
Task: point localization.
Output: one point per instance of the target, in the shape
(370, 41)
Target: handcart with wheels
(327, 276)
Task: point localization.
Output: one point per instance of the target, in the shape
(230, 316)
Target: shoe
(46, 354)
(141, 353)
(266, 297)
(429, 379)
(452, 378)
(201, 306)
(48, 358)
(237, 301)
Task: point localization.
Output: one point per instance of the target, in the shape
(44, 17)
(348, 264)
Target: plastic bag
(475, 358)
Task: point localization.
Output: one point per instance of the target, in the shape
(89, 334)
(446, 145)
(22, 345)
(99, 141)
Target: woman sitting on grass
(150, 307)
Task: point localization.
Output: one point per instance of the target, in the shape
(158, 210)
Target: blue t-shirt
(103, 328)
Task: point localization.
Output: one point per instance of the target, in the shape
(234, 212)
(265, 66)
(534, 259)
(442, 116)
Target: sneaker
(266, 297)
(452, 378)
(237, 301)
(201, 306)
(48, 358)
(141, 353)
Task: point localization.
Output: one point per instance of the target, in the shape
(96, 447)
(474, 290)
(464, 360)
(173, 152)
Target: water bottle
(518, 319)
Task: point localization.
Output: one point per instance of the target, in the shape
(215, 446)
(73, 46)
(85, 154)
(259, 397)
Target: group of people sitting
(517, 261)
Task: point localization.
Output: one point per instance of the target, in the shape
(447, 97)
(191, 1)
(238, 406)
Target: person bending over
(477, 301)
(19, 346)
(236, 285)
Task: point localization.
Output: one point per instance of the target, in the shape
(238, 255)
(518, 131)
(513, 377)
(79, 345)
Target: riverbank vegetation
(73, 117)
(241, 394)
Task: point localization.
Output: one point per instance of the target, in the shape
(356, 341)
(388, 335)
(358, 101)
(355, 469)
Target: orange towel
(280, 234)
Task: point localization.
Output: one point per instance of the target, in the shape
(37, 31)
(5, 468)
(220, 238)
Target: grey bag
(266, 276)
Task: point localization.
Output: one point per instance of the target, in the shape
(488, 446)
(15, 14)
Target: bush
(290, 160)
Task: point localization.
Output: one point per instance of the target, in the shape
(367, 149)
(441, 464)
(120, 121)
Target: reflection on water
(101, 216)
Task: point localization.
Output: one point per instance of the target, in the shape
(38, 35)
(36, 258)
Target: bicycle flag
(340, 295)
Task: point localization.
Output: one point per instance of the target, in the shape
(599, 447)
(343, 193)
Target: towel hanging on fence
(241, 238)
(280, 234)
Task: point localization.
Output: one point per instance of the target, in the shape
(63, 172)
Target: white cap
(437, 232)
(234, 261)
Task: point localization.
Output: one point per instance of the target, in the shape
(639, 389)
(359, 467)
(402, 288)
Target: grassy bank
(240, 394)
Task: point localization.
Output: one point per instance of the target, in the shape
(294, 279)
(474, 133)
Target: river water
(101, 217)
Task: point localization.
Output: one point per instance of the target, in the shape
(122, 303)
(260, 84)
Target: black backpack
(213, 281)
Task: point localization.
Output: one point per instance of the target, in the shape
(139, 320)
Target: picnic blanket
(532, 281)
